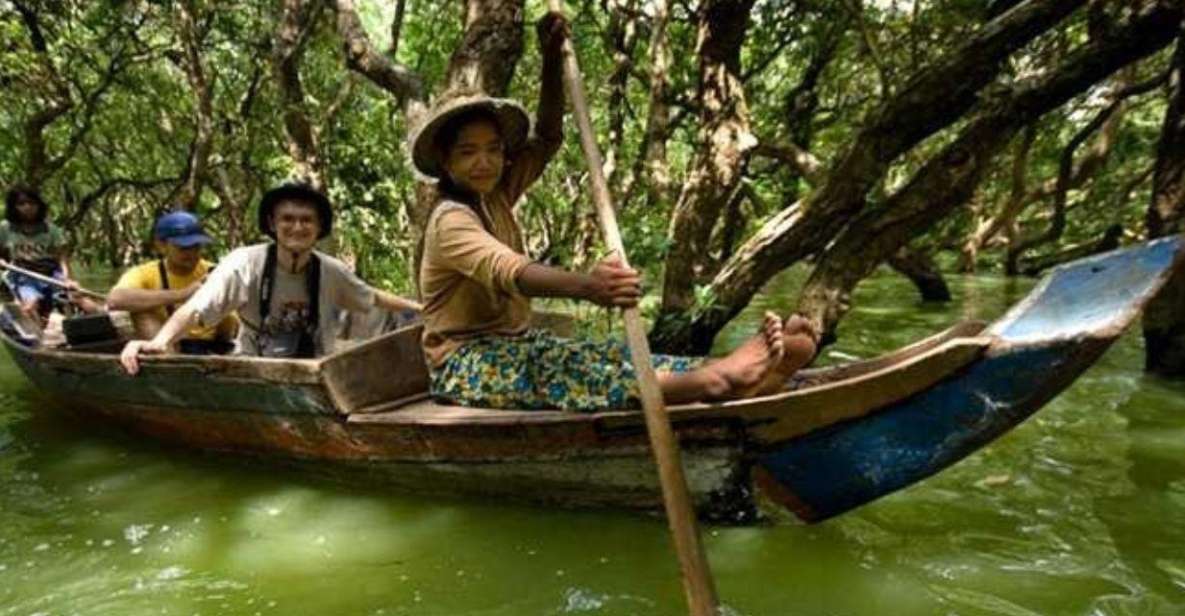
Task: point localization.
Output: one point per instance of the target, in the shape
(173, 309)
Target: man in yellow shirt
(153, 291)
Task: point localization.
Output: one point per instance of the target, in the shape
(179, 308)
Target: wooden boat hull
(291, 419)
(570, 464)
(844, 437)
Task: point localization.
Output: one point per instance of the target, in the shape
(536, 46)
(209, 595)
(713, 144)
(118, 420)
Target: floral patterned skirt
(539, 370)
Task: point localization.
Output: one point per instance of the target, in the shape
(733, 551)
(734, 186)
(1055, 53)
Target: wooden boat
(837, 438)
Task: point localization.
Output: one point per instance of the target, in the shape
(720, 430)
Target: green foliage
(132, 142)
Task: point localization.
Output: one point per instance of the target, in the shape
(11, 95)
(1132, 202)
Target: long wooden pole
(697, 577)
(46, 279)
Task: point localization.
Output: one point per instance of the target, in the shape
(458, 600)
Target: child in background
(30, 241)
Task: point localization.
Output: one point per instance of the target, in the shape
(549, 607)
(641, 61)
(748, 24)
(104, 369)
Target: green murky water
(1081, 510)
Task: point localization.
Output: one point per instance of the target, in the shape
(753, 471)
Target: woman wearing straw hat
(476, 281)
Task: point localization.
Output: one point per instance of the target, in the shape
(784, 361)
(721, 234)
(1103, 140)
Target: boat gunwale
(280, 371)
(758, 409)
(431, 413)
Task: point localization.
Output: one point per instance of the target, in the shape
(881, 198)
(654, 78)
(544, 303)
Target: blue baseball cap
(180, 229)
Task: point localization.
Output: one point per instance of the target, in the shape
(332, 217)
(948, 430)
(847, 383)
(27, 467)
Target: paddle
(697, 578)
(53, 281)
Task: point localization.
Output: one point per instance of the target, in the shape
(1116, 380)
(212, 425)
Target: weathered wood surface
(184, 382)
(571, 463)
(292, 371)
(389, 367)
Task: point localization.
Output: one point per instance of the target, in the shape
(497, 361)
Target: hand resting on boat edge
(284, 291)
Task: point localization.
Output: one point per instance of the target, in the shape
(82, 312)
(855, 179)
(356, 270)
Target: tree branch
(803, 162)
(37, 158)
(1066, 170)
(948, 179)
(931, 100)
(397, 28)
(362, 57)
(725, 144)
(190, 189)
(872, 49)
(296, 25)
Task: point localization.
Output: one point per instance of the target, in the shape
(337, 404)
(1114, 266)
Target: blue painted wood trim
(1043, 345)
(849, 464)
(1091, 294)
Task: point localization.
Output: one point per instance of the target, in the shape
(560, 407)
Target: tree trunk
(1011, 208)
(658, 120)
(189, 191)
(235, 182)
(297, 23)
(622, 35)
(1164, 318)
(1107, 122)
(1034, 266)
(725, 142)
(734, 222)
(921, 270)
(933, 99)
(234, 207)
(948, 179)
(109, 224)
(59, 102)
(489, 52)
(397, 28)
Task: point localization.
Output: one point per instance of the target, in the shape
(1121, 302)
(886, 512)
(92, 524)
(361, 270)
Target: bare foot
(747, 366)
(798, 345)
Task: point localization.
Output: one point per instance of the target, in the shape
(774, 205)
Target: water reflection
(1081, 510)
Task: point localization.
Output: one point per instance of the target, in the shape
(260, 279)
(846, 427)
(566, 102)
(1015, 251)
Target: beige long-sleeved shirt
(468, 273)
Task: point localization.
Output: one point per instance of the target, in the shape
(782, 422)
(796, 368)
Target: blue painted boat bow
(1092, 295)
(1039, 348)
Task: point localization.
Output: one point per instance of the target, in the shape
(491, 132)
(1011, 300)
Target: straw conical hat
(513, 120)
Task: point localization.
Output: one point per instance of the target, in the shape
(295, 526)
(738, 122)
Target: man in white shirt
(285, 292)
